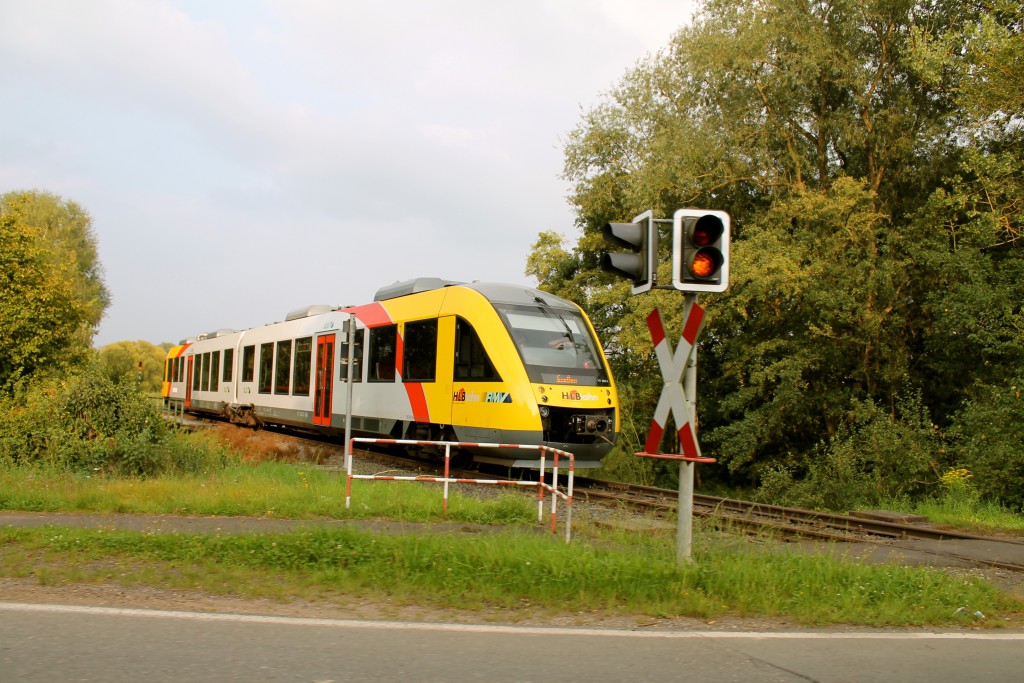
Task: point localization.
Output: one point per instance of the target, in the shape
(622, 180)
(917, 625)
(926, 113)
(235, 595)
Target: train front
(569, 377)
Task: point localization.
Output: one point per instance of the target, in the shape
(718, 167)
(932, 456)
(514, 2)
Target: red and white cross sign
(673, 394)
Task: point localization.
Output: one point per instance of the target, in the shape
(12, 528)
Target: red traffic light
(706, 263)
(700, 250)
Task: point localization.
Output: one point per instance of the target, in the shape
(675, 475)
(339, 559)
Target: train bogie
(430, 360)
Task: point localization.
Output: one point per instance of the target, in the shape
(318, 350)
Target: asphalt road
(74, 643)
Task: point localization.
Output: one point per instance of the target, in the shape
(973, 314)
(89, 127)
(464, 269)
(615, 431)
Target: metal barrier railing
(173, 410)
(541, 485)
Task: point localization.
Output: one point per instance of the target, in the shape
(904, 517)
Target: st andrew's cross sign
(673, 399)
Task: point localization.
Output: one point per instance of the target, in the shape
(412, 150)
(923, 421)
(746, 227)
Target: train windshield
(556, 345)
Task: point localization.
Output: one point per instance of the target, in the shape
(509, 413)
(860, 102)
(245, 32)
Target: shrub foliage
(88, 421)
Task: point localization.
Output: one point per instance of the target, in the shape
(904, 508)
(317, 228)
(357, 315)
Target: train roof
(414, 286)
(513, 294)
(493, 292)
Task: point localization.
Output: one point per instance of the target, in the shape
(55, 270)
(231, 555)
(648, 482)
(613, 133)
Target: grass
(502, 573)
(506, 573)
(981, 516)
(267, 489)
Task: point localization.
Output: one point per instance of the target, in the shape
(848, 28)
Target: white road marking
(520, 630)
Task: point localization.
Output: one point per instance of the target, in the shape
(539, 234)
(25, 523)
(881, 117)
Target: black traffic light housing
(641, 238)
(700, 250)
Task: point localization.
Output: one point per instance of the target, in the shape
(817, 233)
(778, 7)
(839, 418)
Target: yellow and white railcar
(432, 360)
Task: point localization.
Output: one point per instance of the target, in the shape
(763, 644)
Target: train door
(473, 376)
(188, 383)
(324, 380)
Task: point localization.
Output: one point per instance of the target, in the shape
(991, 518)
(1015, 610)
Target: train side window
(248, 363)
(215, 371)
(229, 364)
(419, 362)
(357, 358)
(196, 367)
(282, 378)
(301, 370)
(471, 360)
(266, 368)
(204, 372)
(176, 370)
(167, 369)
(383, 349)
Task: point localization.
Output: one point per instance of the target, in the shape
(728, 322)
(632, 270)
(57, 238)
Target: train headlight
(545, 411)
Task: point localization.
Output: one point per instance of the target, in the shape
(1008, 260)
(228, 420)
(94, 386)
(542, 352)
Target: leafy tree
(51, 291)
(869, 153)
(123, 359)
(65, 228)
(41, 317)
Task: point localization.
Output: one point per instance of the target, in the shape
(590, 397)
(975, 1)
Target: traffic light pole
(700, 263)
(684, 520)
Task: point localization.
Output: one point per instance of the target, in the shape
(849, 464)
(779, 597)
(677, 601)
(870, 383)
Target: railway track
(794, 523)
(784, 522)
(798, 523)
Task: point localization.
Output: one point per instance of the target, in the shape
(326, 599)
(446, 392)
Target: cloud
(238, 143)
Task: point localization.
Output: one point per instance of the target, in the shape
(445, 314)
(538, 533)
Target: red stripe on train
(371, 315)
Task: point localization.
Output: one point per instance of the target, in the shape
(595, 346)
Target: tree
(874, 185)
(41, 314)
(53, 295)
(65, 230)
(124, 358)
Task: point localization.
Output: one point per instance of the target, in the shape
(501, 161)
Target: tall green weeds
(89, 422)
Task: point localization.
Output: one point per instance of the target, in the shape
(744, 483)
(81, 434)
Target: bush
(89, 421)
(874, 457)
(988, 440)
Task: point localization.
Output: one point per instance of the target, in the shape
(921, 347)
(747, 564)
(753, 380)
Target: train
(428, 360)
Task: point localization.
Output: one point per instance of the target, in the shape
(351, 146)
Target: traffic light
(641, 237)
(700, 253)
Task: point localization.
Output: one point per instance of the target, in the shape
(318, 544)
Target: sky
(242, 158)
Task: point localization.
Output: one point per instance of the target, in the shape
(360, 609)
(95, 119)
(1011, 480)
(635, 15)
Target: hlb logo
(461, 396)
(577, 396)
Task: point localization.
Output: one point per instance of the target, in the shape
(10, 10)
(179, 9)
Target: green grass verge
(263, 490)
(606, 571)
(980, 516)
(507, 572)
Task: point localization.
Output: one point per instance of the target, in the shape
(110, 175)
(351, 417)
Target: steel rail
(797, 522)
(785, 521)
